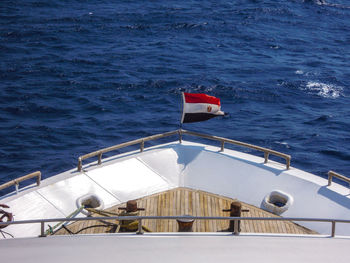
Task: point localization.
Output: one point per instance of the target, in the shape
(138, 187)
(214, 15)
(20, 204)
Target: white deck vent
(89, 201)
(277, 202)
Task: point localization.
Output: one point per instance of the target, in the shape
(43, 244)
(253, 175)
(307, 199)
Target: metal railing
(16, 182)
(222, 140)
(332, 174)
(140, 218)
(122, 145)
(180, 132)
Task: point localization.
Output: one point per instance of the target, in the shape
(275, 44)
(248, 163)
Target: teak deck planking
(186, 201)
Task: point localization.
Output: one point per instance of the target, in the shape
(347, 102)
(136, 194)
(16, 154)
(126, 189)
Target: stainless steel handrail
(140, 218)
(122, 145)
(180, 132)
(16, 182)
(332, 174)
(266, 151)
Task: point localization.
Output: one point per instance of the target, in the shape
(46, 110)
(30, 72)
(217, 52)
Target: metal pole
(333, 228)
(329, 179)
(139, 230)
(236, 230)
(80, 165)
(142, 145)
(288, 163)
(266, 155)
(17, 187)
(42, 229)
(38, 179)
(100, 158)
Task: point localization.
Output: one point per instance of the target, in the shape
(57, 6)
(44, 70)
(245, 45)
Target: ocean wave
(136, 26)
(188, 25)
(324, 90)
(283, 143)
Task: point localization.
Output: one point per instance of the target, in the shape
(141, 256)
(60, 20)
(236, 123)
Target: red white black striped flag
(200, 107)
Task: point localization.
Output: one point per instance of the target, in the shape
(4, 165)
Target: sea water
(77, 76)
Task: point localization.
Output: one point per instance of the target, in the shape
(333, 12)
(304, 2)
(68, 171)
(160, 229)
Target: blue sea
(80, 75)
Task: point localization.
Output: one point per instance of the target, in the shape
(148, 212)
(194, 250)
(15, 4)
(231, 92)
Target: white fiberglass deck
(229, 173)
(175, 248)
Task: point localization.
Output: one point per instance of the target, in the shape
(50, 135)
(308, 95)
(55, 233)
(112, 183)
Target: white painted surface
(129, 179)
(175, 248)
(64, 194)
(164, 162)
(30, 206)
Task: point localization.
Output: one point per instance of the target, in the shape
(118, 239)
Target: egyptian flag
(199, 107)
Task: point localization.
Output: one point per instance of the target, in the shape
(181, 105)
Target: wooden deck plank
(216, 213)
(222, 206)
(186, 201)
(289, 227)
(206, 210)
(246, 224)
(164, 223)
(169, 223)
(208, 202)
(283, 226)
(190, 203)
(154, 212)
(178, 203)
(279, 227)
(148, 223)
(182, 202)
(147, 213)
(170, 211)
(262, 224)
(197, 205)
(158, 212)
(174, 211)
(163, 209)
(202, 211)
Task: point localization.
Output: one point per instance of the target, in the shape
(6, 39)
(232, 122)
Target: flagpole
(181, 110)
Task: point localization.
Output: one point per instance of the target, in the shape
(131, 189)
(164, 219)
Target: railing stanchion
(330, 177)
(139, 228)
(333, 228)
(42, 229)
(80, 165)
(266, 156)
(288, 163)
(222, 146)
(99, 158)
(142, 145)
(17, 187)
(236, 230)
(38, 179)
(180, 136)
